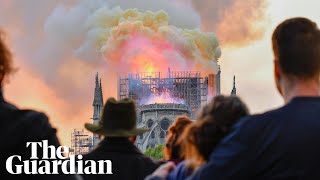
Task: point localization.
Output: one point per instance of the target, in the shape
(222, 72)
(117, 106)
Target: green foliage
(156, 152)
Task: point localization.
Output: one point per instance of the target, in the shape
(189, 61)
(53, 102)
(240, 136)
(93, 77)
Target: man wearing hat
(118, 126)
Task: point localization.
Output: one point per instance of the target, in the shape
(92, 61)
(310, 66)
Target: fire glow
(146, 55)
(163, 98)
(135, 41)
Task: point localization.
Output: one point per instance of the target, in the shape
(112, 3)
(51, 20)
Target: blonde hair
(194, 159)
(173, 148)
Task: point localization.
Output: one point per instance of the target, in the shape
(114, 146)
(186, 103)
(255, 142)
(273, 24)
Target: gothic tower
(234, 89)
(218, 82)
(97, 106)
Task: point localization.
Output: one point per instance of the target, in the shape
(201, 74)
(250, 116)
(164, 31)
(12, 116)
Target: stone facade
(158, 118)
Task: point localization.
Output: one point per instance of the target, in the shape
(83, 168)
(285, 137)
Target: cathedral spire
(218, 81)
(98, 99)
(97, 79)
(234, 81)
(101, 98)
(97, 106)
(234, 89)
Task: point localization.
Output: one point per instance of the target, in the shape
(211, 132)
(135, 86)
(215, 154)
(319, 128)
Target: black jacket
(279, 144)
(127, 160)
(19, 127)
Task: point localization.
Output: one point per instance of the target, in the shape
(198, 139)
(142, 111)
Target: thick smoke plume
(144, 41)
(135, 41)
(236, 22)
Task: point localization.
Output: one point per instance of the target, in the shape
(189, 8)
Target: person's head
(6, 66)
(224, 110)
(211, 126)
(173, 149)
(296, 47)
(118, 121)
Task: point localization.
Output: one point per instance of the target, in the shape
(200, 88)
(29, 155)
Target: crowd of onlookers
(223, 142)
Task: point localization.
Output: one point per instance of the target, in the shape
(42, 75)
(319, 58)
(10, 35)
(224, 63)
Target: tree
(156, 152)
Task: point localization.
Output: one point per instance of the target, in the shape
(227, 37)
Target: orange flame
(163, 97)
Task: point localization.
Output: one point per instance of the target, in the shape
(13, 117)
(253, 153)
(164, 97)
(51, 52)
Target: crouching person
(118, 126)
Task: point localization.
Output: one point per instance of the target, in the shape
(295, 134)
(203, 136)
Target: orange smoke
(137, 41)
(146, 55)
(236, 22)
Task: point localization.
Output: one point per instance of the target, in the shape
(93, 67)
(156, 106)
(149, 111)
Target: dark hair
(6, 66)
(296, 45)
(173, 148)
(211, 126)
(225, 110)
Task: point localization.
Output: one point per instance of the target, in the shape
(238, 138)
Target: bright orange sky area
(252, 65)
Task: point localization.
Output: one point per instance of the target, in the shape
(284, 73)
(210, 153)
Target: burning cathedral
(138, 41)
(159, 98)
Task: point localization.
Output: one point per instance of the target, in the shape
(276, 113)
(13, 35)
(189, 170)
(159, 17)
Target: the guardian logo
(56, 163)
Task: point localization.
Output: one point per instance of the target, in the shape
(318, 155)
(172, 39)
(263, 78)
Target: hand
(164, 170)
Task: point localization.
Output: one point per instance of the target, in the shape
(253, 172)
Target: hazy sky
(59, 84)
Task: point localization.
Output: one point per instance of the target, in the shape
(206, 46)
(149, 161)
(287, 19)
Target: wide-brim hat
(118, 119)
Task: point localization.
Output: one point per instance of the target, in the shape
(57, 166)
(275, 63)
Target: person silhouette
(21, 126)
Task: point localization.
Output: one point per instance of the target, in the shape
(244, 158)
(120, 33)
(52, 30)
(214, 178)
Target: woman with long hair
(212, 125)
(173, 147)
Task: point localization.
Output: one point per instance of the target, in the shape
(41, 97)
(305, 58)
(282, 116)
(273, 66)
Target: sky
(56, 76)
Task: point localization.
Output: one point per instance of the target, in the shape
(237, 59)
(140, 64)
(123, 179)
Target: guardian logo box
(56, 162)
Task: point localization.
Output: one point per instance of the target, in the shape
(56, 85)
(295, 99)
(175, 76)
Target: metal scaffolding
(188, 86)
(81, 142)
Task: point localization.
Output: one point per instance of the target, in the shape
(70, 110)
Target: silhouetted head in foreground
(296, 46)
(213, 124)
(118, 121)
(6, 66)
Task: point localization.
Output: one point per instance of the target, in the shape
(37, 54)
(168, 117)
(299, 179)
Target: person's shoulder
(89, 156)
(150, 161)
(99, 152)
(180, 172)
(181, 167)
(9, 106)
(15, 117)
(36, 124)
(249, 127)
(34, 117)
(150, 164)
(262, 118)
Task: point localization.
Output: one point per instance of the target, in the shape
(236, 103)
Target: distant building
(180, 87)
(161, 97)
(179, 93)
(158, 118)
(97, 106)
(81, 142)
